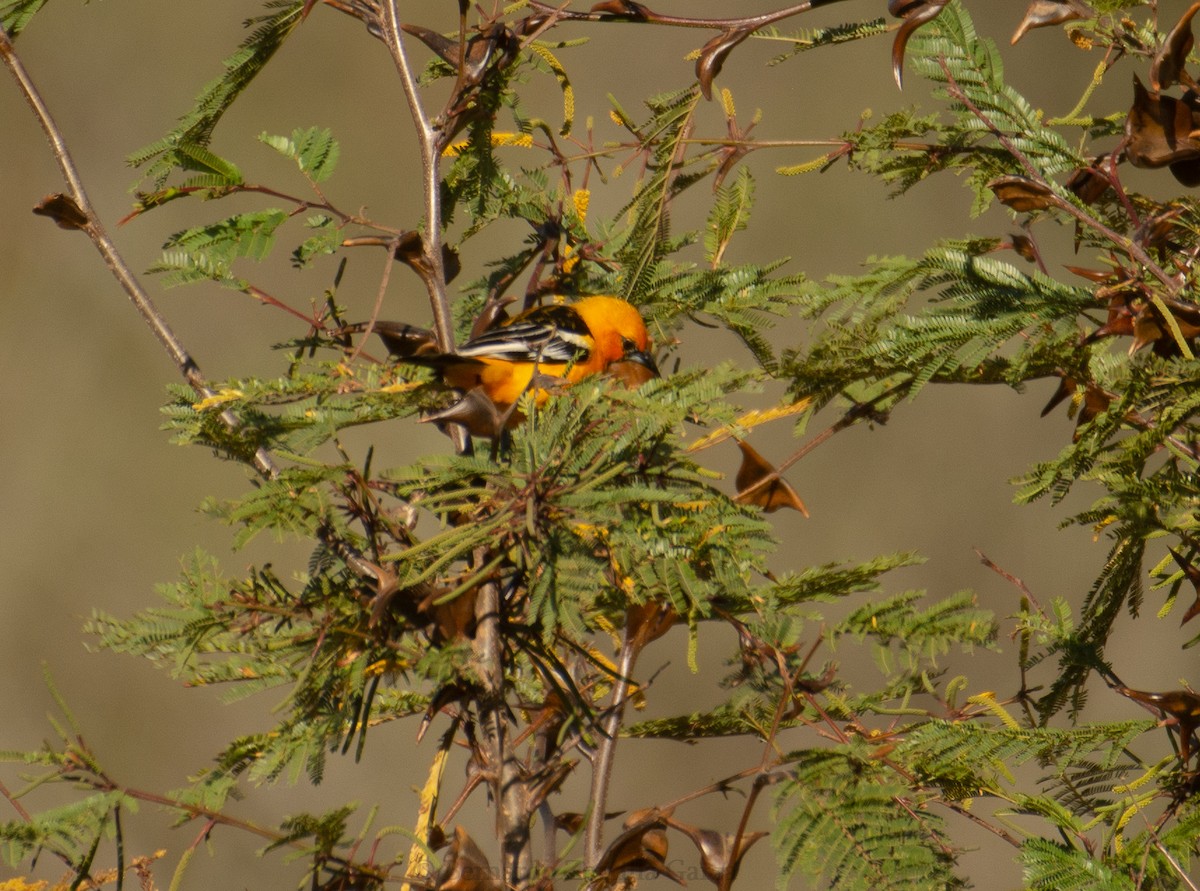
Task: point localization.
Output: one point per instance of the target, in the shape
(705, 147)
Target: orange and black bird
(570, 341)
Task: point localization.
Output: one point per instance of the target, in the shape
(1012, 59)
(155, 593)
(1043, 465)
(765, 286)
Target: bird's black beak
(641, 357)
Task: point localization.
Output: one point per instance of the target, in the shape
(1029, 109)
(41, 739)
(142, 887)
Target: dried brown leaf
(1022, 194)
(466, 867)
(648, 622)
(1065, 390)
(642, 847)
(720, 852)
(1168, 68)
(63, 210)
(1181, 705)
(624, 8)
(760, 485)
(1088, 184)
(713, 55)
(1043, 13)
(915, 14)
(1159, 131)
(475, 411)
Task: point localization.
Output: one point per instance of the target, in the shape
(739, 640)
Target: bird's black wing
(554, 334)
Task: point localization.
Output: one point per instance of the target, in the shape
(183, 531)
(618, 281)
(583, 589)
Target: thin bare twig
(606, 749)
(1012, 580)
(679, 21)
(428, 143)
(1179, 870)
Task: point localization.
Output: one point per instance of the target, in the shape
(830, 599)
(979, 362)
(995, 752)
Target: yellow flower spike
(564, 84)
(727, 102)
(221, 397)
(1099, 528)
(580, 199)
(807, 167)
(521, 140)
(1151, 774)
(589, 532)
(693, 646)
(570, 259)
(376, 668)
(748, 421)
(401, 387)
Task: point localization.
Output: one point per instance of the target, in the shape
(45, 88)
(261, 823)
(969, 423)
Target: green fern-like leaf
(848, 822)
(16, 14)
(814, 38)
(206, 253)
(647, 241)
(314, 150)
(194, 130)
(1050, 866)
(730, 213)
(970, 73)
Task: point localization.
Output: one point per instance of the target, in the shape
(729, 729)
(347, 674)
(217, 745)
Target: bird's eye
(628, 346)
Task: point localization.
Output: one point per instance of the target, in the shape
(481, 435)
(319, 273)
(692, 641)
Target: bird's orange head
(616, 327)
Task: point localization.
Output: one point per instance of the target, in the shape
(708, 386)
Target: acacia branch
(429, 146)
(648, 17)
(508, 788)
(1129, 245)
(606, 749)
(94, 229)
(91, 225)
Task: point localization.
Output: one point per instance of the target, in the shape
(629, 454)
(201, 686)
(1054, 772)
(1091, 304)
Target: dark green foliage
(16, 14)
(194, 130)
(815, 38)
(854, 823)
(207, 252)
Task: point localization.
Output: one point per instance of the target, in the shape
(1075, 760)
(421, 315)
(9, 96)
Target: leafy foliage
(268, 32)
(855, 824)
(503, 590)
(15, 15)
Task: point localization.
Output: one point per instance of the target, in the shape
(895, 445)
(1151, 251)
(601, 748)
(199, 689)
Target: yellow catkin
(807, 167)
(418, 854)
(727, 102)
(581, 199)
(521, 140)
(499, 138)
(748, 421)
(221, 397)
(564, 83)
(570, 259)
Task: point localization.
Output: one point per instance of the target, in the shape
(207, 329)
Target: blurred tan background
(98, 507)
